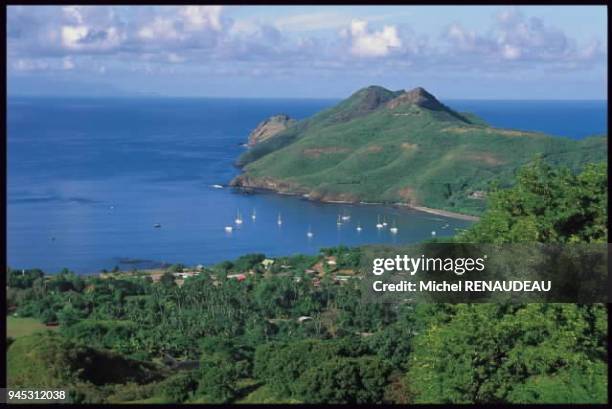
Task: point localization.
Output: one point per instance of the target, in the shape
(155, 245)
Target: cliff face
(270, 127)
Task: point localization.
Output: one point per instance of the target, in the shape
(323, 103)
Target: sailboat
(346, 216)
(433, 232)
(379, 224)
(238, 218)
(279, 220)
(393, 228)
(359, 227)
(309, 234)
(384, 223)
(339, 221)
(253, 215)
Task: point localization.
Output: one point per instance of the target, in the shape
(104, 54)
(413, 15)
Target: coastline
(445, 213)
(236, 184)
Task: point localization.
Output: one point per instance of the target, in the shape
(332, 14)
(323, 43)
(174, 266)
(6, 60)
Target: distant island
(398, 147)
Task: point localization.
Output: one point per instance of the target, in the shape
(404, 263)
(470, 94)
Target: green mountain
(401, 147)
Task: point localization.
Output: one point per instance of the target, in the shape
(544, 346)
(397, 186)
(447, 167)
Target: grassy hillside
(47, 360)
(384, 146)
(19, 327)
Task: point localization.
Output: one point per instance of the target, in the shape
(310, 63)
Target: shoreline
(446, 213)
(437, 212)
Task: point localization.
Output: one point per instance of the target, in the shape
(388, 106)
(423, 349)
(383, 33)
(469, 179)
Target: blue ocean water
(89, 178)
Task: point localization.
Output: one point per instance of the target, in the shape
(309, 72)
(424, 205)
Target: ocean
(90, 178)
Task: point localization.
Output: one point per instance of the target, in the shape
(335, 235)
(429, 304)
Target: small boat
(157, 225)
(238, 218)
(218, 186)
(253, 215)
(379, 225)
(309, 233)
(279, 220)
(433, 232)
(393, 228)
(229, 229)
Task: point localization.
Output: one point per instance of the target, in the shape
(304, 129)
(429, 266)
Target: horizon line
(162, 96)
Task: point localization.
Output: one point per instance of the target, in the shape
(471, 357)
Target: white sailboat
(384, 223)
(393, 228)
(379, 225)
(238, 218)
(433, 232)
(253, 215)
(346, 216)
(309, 233)
(359, 227)
(339, 221)
(279, 220)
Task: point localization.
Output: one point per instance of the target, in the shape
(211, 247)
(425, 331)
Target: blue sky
(475, 52)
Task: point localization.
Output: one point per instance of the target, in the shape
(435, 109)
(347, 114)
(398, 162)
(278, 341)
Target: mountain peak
(418, 96)
(423, 99)
(363, 102)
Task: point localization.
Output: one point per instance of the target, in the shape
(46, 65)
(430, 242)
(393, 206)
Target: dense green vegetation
(383, 146)
(291, 332)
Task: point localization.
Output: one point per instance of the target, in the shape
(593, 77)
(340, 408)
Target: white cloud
(511, 52)
(182, 24)
(60, 38)
(175, 58)
(202, 17)
(89, 29)
(160, 28)
(514, 37)
(67, 63)
(367, 43)
(26, 64)
(312, 21)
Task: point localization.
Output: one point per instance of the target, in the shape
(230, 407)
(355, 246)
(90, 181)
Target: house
(186, 274)
(238, 277)
(478, 194)
(267, 263)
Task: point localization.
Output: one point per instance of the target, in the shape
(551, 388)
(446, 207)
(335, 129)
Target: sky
(455, 52)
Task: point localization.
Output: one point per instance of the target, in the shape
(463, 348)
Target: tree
(167, 279)
(219, 377)
(500, 353)
(178, 388)
(345, 380)
(548, 205)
